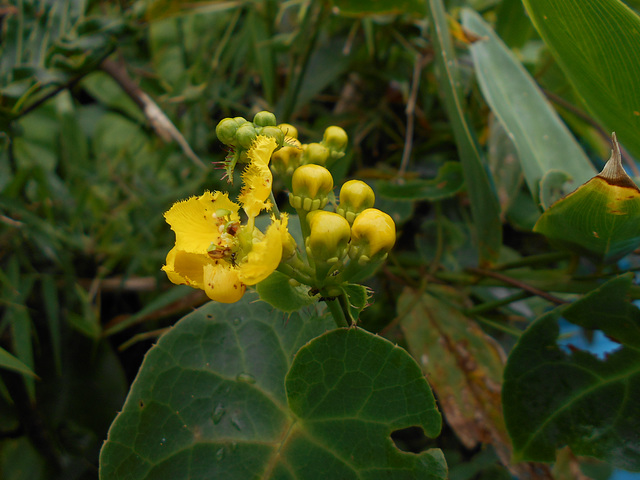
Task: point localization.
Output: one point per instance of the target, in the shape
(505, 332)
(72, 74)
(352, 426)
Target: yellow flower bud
(310, 186)
(315, 153)
(328, 238)
(373, 233)
(285, 160)
(289, 130)
(335, 139)
(355, 197)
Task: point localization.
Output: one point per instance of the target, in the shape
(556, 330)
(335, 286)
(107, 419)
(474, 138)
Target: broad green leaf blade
(552, 398)
(485, 208)
(542, 139)
(10, 362)
(210, 401)
(447, 183)
(597, 44)
(600, 219)
(349, 389)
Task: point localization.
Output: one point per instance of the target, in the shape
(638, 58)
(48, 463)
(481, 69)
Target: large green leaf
(543, 141)
(485, 208)
(210, 402)
(552, 398)
(597, 44)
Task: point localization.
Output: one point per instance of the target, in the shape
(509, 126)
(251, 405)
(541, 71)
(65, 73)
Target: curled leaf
(600, 219)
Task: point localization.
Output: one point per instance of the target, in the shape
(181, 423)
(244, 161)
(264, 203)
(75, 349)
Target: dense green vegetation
(479, 342)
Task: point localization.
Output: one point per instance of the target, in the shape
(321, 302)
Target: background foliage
(465, 116)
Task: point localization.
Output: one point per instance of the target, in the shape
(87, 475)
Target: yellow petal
(195, 221)
(257, 180)
(221, 283)
(288, 242)
(261, 150)
(184, 268)
(264, 257)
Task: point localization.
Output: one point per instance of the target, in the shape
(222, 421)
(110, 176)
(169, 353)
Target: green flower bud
(355, 197)
(246, 134)
(315, 153)
(328, 238)
(240, 120)
(335, 139)
(373, 234)
(310, 186)
(289, 130)
(265, 119)
(226, 131)
(274, 132)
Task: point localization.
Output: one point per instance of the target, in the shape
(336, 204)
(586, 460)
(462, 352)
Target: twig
(519, 284)
(157, 118)
(410, 111)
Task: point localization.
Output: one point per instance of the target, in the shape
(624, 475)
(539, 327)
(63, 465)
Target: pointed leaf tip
(613, 172)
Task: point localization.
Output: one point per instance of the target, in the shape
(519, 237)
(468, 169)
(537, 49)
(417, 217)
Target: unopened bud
(355, 197)
(328, 238)
(335, 139)
(264, 119)
(289, 130)
(310, 186)
(315, 153)
(373, 234)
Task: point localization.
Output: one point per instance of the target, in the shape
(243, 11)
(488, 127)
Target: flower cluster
(222, 254)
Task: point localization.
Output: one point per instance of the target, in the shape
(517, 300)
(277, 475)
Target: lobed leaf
(210, 402)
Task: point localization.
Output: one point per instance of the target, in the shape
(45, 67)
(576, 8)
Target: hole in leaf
(573, 337)
(141, 403)
(411, 440)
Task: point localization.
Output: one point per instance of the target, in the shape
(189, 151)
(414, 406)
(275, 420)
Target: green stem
(492, 305)
(499, 326)
(344, 304)
(337, 312)
(542, 259)
(274, 205)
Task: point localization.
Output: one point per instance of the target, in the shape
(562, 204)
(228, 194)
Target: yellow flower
(257, 177)
(213, 252)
